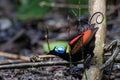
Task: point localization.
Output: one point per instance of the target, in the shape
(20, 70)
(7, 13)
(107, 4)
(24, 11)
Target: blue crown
(60, 49)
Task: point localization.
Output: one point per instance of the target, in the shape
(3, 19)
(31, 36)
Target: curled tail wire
(99, 14)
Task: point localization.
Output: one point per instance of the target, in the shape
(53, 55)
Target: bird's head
(58, 50)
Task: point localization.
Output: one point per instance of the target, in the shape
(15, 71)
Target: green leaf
(33, 10)
(53, 44)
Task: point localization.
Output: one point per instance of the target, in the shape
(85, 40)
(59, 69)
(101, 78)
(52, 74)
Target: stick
(34, 64)
(59, 5)
(24, 58)
(4, 62)
(14, 56)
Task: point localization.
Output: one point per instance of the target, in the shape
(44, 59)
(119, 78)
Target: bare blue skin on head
(59, 49)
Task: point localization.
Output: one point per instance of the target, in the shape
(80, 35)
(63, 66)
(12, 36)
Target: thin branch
(34, 64)
(14, 56)
(115, 53)
(47, 38)
(24, 58)
(4, 62)
(60, 5)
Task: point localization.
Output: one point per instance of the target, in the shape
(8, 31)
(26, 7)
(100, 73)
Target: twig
(46, 56)
(60, 5)
(4, 62)
(34, 64)
(14, 56)
(26, 59)
(47, 38)
(115, 53)
(117, 59)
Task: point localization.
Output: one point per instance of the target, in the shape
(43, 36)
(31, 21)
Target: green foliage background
(30, 9)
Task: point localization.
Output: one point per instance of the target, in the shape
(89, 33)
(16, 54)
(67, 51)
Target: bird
(79, 47)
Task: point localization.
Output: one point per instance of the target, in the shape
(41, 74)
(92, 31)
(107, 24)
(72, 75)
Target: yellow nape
(68, 49)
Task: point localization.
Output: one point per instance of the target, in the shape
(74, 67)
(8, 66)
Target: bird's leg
(114, 46)
(77, 71)
(87, 62)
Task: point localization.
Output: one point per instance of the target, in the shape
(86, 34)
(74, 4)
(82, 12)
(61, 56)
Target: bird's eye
(59, 49)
